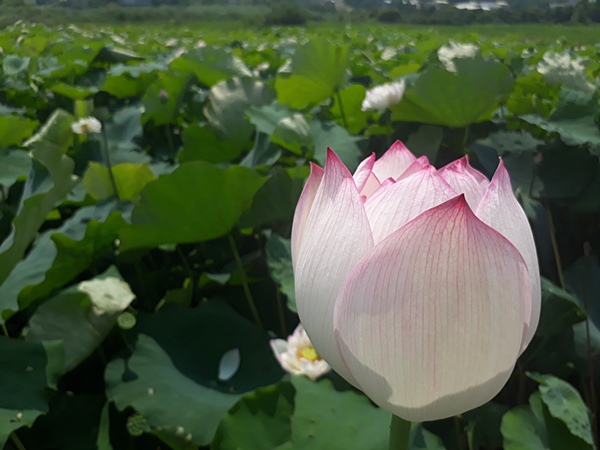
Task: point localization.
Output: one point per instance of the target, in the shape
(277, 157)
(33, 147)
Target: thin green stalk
(106, 157)
(388, 116)
(465, 138)
(4, 330)
(15, 439)
(399, 434)
(342, 112)
(557, 259)
(245, 286)
(459, 434)
(280, 313)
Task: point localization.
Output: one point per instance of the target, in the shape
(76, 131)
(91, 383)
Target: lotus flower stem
(106, 157)
(245, 286)
(399, 433)
(342, 112)
(557, 260)
(282, 327)
(15, 439)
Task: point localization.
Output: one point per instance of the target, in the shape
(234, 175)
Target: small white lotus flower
(298, 356)
(384, 96)
(448, 53)
(108, 295)
(229, 364)
(86, 125)
(565, 70)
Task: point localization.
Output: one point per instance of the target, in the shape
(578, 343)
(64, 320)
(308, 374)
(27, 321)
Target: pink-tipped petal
(430, 321)
(336, 236)
(370, 186)
(391, 208)
(500, 210)
(394, 162)
(303, 207)
(417, 165)
(466, 180)
(364, 172)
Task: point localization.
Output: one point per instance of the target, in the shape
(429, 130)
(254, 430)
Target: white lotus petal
(500, 209)
(430, 321)
(336, 235)
(466, 180)
(391, 208)
(394, 162)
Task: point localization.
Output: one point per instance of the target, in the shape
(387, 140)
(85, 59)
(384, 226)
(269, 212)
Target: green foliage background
(210, 136)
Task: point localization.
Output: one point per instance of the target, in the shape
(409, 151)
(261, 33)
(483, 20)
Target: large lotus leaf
(565, 404)
(22, 383)
(583, 278)
(560, 310)
(317, 71)
(73, 92)
(15, 164)
(534, 428)
(55, 133)
(60, 255)
(228, 103)
(172, 375)
(202, 143)
(123, 133)
(259, 421)
(196, 202)
(126, 80)
(286, 128)
(455, 98)
(14, 130)
(347, 108)
(319, 408)
(279, 262)
(211, 65)
(14, 64)
(49, 182)
(581, 131)
(426, 141)
(275, 201)
(162, 99)
(129, 178)
(69, 317)
(330, 134)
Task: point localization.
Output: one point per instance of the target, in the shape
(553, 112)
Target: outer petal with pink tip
(500, 209)
(394, 162)
(303, 207)
(465, 180)
(336, 236)
(430, 322)
(391, 208)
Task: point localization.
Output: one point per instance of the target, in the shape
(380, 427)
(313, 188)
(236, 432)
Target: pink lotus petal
(303, 207)
(336, 235)
(466, 180)
(417, 165)
(370, 186)
(430, 321)
(394, 162)
(500, 210)
(391, 208)
(364, 172)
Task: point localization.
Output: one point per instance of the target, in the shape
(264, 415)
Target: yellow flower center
(309, 353)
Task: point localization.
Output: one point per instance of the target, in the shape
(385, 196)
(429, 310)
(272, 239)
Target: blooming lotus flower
(108, 295)
(298, 356)
(86, 125)
(419, 286)
(384, 96)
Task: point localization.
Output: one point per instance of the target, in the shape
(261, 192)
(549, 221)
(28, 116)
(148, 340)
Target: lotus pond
(145, 267)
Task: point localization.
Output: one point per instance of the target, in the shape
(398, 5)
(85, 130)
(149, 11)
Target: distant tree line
(582, 13)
